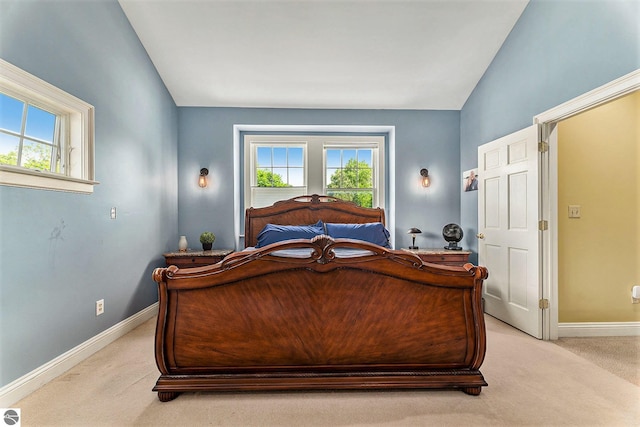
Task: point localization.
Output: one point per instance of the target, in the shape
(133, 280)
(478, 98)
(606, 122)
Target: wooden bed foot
(166, 396)
(474, 391)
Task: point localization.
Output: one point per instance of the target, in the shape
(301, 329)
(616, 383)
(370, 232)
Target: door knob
(480, 235)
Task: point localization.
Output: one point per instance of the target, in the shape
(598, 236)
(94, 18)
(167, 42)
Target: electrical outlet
(113, 213)
(99, 307)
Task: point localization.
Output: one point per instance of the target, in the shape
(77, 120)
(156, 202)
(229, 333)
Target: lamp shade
(413, 231)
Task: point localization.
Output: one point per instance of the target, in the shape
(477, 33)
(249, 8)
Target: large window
(349, 173)
(285, 166)
(46, 135)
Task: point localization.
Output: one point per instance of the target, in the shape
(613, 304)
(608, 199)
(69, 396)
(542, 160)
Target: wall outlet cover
(575, 211)
(99, 307)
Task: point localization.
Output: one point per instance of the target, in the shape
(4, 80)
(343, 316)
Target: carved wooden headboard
(306, 210)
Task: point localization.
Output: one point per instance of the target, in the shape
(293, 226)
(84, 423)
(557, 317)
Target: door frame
(548, 121)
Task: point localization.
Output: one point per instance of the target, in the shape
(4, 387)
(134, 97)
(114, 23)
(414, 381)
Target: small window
(280, 166)
(277, 172)
(46, 135)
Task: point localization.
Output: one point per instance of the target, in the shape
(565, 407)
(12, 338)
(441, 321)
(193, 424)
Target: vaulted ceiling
(378, 54)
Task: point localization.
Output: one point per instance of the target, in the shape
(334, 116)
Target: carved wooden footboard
(261, 321)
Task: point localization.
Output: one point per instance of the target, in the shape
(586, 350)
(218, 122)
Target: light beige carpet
(618, 355)
(531, 382)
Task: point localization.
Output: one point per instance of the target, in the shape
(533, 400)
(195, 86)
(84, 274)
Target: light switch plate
(575, 211)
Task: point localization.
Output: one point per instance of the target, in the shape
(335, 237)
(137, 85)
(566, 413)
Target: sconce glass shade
(413, 231)
(426, 181)
(202, 181)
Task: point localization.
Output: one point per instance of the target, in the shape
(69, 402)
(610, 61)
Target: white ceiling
(379, 54)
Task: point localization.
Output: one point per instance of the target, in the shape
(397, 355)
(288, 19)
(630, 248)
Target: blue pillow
(372, 232)
(273, 233)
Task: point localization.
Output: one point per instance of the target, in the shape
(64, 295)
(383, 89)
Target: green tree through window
(269, 179)
(34, 156)
(353, 183)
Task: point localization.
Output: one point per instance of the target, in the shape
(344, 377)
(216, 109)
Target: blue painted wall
(557, 50)
(60, 252)
(424, 139)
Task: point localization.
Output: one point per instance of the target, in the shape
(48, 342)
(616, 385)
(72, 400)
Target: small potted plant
(207, 238)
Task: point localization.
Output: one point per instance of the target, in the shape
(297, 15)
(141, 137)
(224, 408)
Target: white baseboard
(599, 329)
(27, 384)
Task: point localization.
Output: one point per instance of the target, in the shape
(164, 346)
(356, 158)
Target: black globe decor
(452, 233)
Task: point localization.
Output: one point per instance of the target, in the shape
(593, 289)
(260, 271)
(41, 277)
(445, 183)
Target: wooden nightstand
(442, 256)
(195, 258)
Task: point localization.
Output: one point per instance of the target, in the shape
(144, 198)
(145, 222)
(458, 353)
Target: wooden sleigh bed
(261, 320)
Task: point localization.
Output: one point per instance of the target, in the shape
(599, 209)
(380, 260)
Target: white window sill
(19, 177)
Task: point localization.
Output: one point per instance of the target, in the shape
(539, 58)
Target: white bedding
(306, 252)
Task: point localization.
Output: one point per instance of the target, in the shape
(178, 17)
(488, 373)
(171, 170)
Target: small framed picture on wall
(470, 180)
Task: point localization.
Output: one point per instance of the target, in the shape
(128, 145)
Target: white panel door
(508, 245)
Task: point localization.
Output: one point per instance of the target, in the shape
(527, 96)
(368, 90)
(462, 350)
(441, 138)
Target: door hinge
(543, 147)
(543, 304)
(543, 225)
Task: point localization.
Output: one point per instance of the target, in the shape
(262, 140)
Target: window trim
(79, 148)
(390, 173)
(389, 131)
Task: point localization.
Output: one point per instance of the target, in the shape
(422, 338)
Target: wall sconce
(426, 181)
(413, 231)
(202, 181)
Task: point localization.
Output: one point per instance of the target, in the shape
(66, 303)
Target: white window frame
(77, 144)
(374, 143)
(252, 142)
(315, 171)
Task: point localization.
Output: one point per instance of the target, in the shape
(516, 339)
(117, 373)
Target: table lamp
(413, 231)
